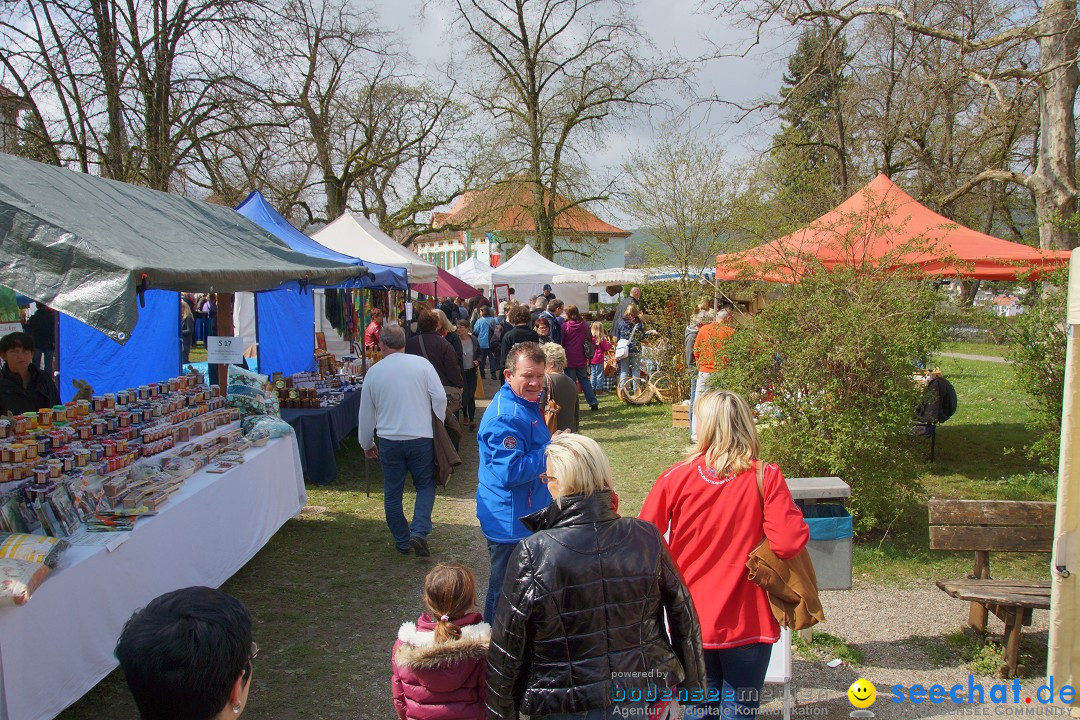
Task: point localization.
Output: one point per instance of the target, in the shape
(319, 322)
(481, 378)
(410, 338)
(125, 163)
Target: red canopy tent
(880, 219)
(447, 285)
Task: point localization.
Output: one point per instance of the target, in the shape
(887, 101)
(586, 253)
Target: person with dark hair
(483, 329)
(210, 308)
(511, 441)
(449, 307)
(575, 334)
(518, 317)
(552, 312)
(429, 343)
(548, 295)
(543, 331)
(42, 328)
(23, 386)
(371, 333)
(469, 351)
(189, 655)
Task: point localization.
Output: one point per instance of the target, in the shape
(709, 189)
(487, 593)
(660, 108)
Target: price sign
(7, 328)
(223, 350)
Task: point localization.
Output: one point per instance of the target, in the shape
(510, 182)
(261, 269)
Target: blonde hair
(449, 592)
(632, 311)
(727, 436)
(578, 465)
(556, 356)
(597, 329)
(444, 323)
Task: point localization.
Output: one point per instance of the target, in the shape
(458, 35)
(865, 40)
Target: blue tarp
(151, 355)
(285, 317)
(381, 277)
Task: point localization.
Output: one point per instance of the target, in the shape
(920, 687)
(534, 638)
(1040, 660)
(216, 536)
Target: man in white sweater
(400, 393)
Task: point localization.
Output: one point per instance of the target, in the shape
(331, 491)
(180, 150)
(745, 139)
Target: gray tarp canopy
(84, 245)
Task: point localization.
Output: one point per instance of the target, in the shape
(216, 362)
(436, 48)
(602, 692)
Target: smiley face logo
(862, 693)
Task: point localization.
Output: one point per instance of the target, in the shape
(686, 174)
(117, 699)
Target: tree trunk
(1053, 182)
(113, 159)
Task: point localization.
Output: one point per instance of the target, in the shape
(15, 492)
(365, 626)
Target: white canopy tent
(528, 271)
(358, 237)
(470, 271)
(1063, 660)
(605, 277)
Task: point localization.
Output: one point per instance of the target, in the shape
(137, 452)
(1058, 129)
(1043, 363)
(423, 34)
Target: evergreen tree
(811, 151)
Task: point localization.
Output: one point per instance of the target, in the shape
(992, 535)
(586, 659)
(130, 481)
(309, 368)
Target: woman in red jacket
(710, 507)
(440, 661)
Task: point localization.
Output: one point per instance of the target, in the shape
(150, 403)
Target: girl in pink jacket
(596, 362)
(440, 661)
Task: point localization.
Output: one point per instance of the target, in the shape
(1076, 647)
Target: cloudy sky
(674, 25)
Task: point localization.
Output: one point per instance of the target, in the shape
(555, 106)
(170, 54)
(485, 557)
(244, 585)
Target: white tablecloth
(60, 644)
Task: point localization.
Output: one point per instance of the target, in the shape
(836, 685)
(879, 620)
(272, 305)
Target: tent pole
(224, 328)
(363, 336)
(258, 345)
(1063, 640)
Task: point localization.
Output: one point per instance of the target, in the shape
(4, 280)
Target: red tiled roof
(506, 208)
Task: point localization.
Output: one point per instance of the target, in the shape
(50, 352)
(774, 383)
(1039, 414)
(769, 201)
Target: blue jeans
(582, 376)
(596, 376)
(417, 457)
(629, 365)
(739, 675)
(491, 357)
(500, 555)
(693, 397)
(700, 387)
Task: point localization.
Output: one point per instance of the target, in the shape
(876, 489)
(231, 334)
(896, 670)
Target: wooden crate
(680, 416)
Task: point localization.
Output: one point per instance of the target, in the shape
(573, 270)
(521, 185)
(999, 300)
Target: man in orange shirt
(708, 354)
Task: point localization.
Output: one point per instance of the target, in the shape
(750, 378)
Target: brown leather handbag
(551, 408)
(790, 584)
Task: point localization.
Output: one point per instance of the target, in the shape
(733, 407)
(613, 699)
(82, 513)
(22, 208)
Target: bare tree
(379, 139)
(125, 85)
(680, 190)
(1000, 47)
(554, 75)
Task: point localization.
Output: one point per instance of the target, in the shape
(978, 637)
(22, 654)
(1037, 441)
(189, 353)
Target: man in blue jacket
(512, 439)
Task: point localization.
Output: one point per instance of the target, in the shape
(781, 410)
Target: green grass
(329, 591)
(197, 354)
(979, 456)
(984, 654)
(974, 348)
(824, 646)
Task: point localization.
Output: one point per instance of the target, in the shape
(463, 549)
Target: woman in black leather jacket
(580, 626)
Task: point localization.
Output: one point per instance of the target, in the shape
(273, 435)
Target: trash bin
(822, 502)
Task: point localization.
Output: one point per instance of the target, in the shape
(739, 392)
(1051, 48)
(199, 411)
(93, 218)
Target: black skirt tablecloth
(319, 433)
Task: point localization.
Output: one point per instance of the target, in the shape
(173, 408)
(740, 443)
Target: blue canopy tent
(152, 353)
(282, 314)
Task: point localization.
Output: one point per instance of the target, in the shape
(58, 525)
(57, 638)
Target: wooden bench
(987, 526)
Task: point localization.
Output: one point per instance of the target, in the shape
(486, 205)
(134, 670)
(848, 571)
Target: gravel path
(901, 633)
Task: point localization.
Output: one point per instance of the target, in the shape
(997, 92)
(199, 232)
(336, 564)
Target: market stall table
(60, 644)
(319, 432)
